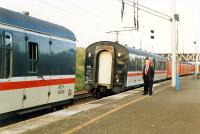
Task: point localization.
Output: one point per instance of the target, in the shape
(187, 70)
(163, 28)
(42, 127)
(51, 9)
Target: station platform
(167, 111)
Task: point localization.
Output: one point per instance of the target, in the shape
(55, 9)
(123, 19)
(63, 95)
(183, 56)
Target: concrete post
(197, 61)
(173, 42)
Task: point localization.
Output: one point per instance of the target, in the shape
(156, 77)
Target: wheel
(97, 94)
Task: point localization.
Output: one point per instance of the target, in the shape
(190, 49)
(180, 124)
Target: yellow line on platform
(75, 129)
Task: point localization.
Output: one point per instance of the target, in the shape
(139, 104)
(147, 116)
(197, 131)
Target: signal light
(152, 32)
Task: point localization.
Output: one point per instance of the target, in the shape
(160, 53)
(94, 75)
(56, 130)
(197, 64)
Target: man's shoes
(150, 94)
(144, 93)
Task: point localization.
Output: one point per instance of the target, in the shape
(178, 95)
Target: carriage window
(153, 63)
(8, 39)
(160, 66)
(156, 65)
(134, 64)
(1, 62)
(164, 65)
(1, 39)
(33, 57)
(139, 64)
(130, 65)
(6, 53)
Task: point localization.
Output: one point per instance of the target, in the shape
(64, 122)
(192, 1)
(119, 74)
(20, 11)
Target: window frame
(7, 64)
(34, 58)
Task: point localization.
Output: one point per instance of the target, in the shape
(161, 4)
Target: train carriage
(105, 66)
(136, 65)
(112, 67)
(37, 63)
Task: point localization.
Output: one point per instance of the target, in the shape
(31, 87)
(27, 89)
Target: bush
(80, 61)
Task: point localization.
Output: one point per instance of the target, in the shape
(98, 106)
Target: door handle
(49, 93)
(41, 76)
(24, 97)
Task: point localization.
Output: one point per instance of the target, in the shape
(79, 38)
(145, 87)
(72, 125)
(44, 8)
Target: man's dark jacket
(150, 75)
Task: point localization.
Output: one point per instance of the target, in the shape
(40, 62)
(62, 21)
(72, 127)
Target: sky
(90, 20)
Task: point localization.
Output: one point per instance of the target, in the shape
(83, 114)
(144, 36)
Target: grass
(80, 61)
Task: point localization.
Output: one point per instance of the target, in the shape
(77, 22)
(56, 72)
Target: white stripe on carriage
(29, 78)
(29, 31)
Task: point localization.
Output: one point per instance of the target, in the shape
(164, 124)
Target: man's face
(147, 62)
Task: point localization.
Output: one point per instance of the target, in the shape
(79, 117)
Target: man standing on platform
(148, 77)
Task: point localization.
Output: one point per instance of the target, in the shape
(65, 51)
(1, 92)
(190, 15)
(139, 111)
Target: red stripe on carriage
(34, 83)
(140, 74)
(134, 74)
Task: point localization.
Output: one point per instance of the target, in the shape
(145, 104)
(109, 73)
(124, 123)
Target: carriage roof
(144, 53)
(131, 50)
(16, 19)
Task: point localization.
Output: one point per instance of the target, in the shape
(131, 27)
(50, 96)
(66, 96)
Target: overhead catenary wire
(125, 30)
(149, 8)
(67, 2)
(169, 19)
(166, 18)
(95, 15)
(70, 13)
(157, 14)
(49, 4)
(117, 32)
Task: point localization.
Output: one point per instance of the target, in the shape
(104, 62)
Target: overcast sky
(91, 19)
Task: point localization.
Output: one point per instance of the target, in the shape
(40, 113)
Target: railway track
(82, 97)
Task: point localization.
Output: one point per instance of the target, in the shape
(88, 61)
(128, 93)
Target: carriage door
(10, 98)
(38, 74)
(105, 67)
